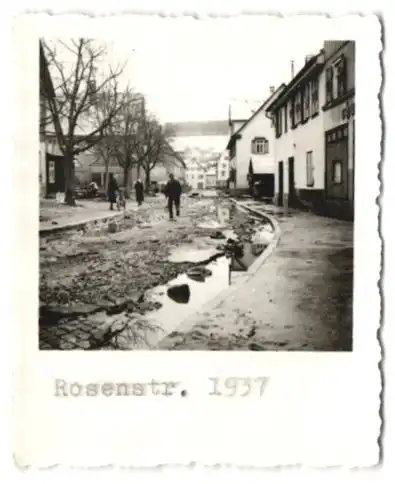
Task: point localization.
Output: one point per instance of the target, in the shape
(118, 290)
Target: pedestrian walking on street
(112, 191)
(139, 188)
(173, 193)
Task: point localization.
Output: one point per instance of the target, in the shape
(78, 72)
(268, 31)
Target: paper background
(319, 409)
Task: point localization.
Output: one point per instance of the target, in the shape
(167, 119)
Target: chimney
(272, 89)
(292, 69)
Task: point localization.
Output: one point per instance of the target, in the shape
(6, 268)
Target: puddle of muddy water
(172, 314)
(191, 253)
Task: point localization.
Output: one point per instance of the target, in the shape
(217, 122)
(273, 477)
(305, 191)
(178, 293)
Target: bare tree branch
(78, 93)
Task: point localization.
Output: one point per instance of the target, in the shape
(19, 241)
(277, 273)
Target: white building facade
(251, 149)
(312, 146)
(223, 170)
(195, 174)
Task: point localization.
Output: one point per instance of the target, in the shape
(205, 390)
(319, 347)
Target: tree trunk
(126, 180)
(107, 169)
(69, 179)
(147, 180)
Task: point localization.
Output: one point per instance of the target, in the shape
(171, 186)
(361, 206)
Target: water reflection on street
(172, 313)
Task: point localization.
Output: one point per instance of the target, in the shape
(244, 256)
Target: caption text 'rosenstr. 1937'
(220, 387)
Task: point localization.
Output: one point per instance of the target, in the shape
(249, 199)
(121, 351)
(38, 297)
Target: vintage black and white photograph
(196, 190)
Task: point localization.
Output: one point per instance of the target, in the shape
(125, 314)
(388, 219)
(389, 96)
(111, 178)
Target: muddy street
(89, 277)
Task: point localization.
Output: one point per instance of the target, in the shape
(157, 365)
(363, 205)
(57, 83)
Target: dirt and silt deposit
(94, 282)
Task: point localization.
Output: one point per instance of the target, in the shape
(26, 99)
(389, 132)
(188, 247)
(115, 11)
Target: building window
(329, 84)
(309, 169)
(298, 108)
(292, 113)
(315, 106)
(201, 177)
(223, 173)
(278, 123)
(285, 119)
(260, 146)
(337, 172)
(340, 77)
(306, 102)
(51, 172)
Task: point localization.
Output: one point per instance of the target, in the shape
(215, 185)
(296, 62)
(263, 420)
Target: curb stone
(80, 224)
(253, 269)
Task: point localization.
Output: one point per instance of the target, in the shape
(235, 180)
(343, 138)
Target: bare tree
(77, 95)
(155, 146)
(124, 136)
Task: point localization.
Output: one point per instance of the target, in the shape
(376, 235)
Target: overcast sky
(192, 69)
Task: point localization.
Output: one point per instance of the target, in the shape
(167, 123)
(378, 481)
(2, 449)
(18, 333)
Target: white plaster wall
(334, 117)
(297, 142)
(259, 126)
(310, 137)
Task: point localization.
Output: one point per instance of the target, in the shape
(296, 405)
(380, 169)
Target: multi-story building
(195, 174)
(251, 148)
(339, 125)
(51, 166)
(223, 170)
(312, 154)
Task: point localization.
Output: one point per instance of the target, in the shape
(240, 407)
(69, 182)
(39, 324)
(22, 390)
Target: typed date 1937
(238, 386)
(225, 387)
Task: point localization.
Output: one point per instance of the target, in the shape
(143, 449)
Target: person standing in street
(112, 190)
(139, 188)
(173, 193)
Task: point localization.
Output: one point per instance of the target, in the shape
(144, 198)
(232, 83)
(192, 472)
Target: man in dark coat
(173, 193)
(112, 191)
(139, 188)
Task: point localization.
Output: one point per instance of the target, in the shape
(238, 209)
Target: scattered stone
(255, 347)
(66, 345)
(112, 227)
(179, 293)
(217, 235)
(199, 273)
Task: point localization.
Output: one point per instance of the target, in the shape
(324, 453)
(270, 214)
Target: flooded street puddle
(192, 253)
(215, 267)
(200, 292)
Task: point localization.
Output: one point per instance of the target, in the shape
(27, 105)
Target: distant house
(251, 144)
(223, 169)
(195, 175)
(171, 162)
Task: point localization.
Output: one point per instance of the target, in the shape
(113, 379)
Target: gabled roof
(311, 66)
(269, 100)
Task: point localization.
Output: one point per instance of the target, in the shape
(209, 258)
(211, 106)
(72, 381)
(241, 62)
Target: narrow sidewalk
(57, 217)
(300, 299)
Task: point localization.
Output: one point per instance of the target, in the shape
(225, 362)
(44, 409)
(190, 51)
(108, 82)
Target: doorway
(291, 181)
(337, 163)
(56, 180)
(280, 200)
